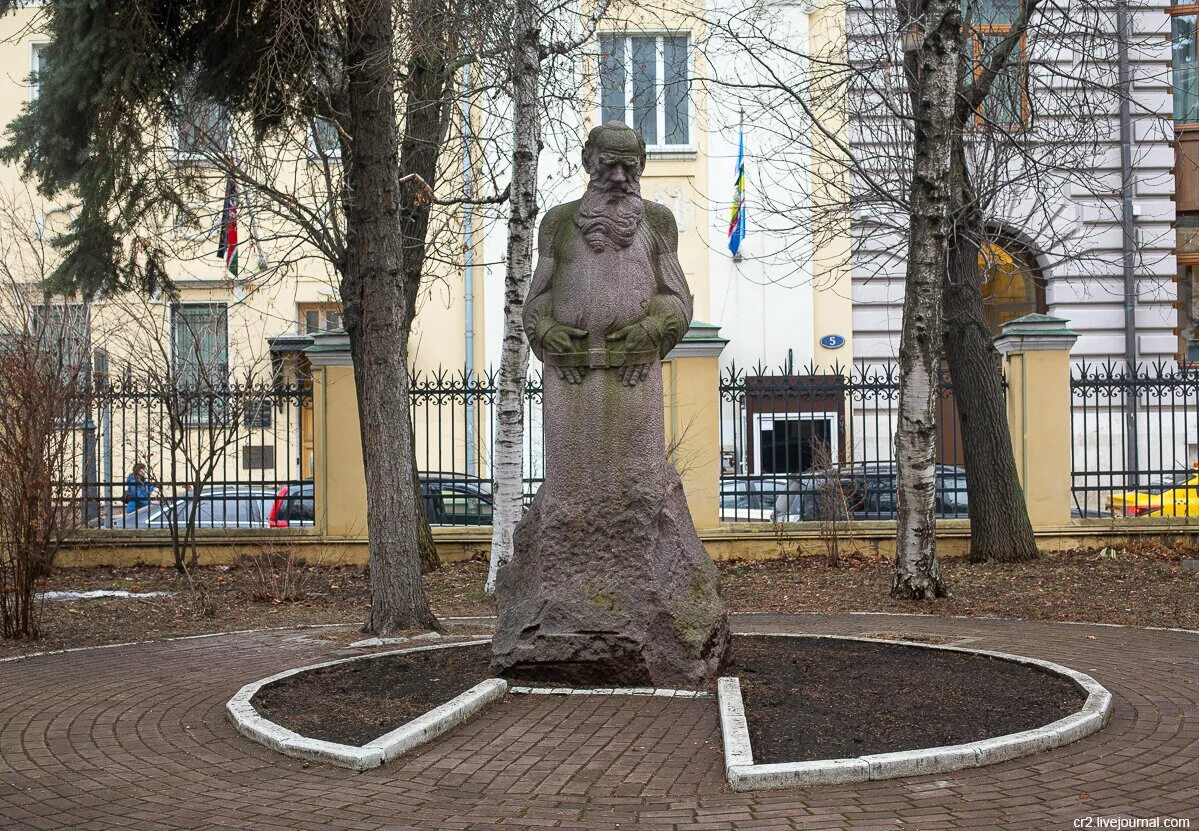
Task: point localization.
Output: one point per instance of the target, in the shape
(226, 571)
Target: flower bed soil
(812, 698)
(805, 698)
(355, 702)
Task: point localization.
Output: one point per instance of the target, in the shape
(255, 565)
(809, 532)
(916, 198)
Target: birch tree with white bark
(537, 37)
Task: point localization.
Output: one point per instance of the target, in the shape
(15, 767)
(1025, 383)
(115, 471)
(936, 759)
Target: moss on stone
(606, 600)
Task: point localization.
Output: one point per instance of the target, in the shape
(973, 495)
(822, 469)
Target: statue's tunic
(609, 583)
(602, 292)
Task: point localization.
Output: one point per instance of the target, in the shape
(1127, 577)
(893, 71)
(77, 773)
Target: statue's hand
(572, 374)
(633, 375)
(560, 339)
(636, 338)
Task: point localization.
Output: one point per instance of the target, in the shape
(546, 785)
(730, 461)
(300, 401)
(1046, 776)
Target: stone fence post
(691, 389)
(1036, 363)
(340, 482)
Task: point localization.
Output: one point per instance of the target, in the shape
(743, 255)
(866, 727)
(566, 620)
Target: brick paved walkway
(136, 738)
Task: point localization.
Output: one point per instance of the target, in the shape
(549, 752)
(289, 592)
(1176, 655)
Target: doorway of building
(1012, 283)
(787, 443)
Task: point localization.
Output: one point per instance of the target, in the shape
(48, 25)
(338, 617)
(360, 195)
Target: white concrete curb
(744, 775)
(374, 753)
(660, 692)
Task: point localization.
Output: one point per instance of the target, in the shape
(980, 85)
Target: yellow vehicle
(1177, 497)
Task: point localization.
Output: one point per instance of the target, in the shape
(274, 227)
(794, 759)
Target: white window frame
(173, 309)
(35, 65)
(322, 308)
(182, 155)
(831, 416)
(660, 83)
(332, 154)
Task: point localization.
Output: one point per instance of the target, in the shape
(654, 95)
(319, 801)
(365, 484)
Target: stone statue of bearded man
(609, 583)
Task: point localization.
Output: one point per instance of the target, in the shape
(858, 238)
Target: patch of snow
(100, 593)
(372, 642)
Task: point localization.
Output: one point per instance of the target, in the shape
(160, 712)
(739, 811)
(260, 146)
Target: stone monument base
(611, 593)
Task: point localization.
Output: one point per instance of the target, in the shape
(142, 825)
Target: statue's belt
(601, 358)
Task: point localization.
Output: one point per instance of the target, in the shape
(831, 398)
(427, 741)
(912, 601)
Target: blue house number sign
(832, 341)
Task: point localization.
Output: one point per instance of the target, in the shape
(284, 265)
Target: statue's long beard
(609, 218)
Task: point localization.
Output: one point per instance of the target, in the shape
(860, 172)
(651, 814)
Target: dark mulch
(225, 598)
(355, 702)
(805, 698)
(810, 698)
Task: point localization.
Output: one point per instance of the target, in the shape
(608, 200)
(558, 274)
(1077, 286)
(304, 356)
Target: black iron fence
(242, 456)
(152, 455)
(1135, 440)
(815, 445)
(796, 446)
(454, 420)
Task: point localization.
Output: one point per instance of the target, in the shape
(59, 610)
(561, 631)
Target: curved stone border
(374, 753)
(296, 627)
(659, 692)
(744, 775)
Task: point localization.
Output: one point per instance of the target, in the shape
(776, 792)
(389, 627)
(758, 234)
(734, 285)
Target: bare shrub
(836, 500)
(43, 439)
(278, 576)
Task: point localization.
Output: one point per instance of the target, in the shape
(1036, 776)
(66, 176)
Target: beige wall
(692, 408)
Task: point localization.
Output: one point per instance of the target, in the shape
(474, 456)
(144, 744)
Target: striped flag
(227, 248)
(737, 217)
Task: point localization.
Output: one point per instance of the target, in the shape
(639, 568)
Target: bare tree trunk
(999, 525)
(932, 74)
(377, 314)
(429, 561)
(508, 472)
(426, 119)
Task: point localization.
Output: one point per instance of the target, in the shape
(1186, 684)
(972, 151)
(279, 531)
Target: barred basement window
(257, 415)
(258, 457)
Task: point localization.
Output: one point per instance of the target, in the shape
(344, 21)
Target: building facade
(818, 281)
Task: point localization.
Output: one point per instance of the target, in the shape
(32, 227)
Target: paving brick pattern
(135, 738)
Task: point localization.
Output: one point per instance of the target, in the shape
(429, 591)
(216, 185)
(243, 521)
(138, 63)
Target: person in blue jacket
(138, 489)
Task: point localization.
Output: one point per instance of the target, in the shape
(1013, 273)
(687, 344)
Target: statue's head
(614, 156)
(610, 212)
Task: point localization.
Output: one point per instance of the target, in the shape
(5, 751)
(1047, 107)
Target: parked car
(1177, 495)
(294, 506)
(450, 499)
(224, 506)
(454, 499)
(749, 498)
(867, 491)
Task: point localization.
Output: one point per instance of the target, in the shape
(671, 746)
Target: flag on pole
(737, 217)
(227, 248)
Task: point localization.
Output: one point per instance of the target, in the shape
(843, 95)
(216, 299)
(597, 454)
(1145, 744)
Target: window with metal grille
(258, 456)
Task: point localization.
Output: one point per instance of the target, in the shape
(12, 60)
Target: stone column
(340, 482)
(1036, 361)
(691, 385)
